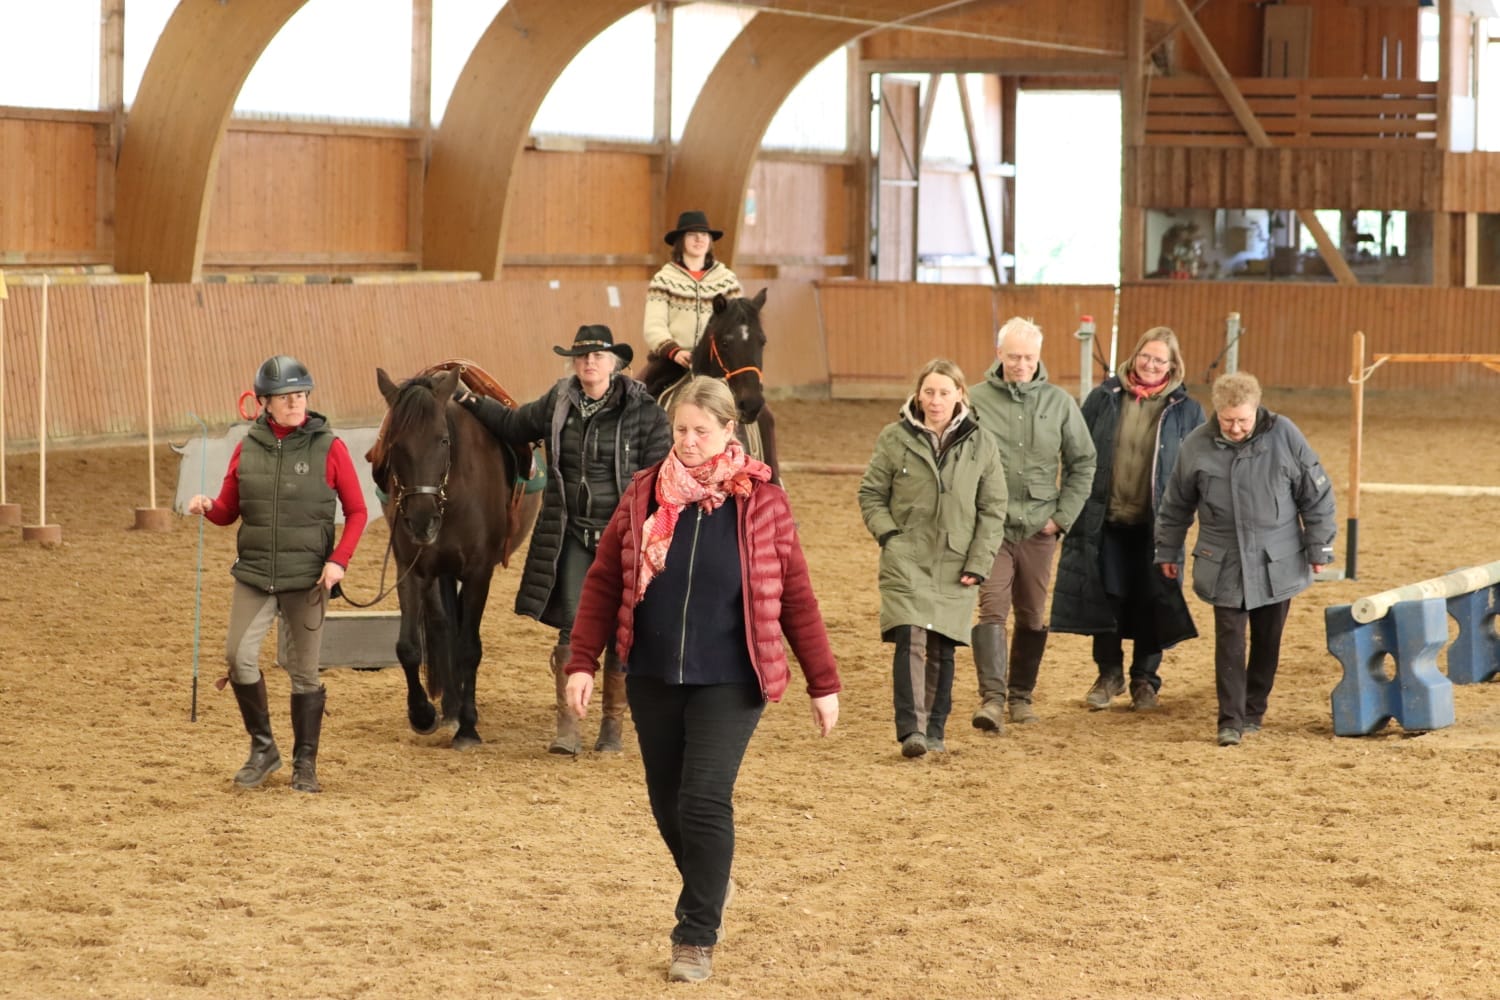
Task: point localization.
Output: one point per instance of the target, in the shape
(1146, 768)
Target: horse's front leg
(767, 424)
(419, 710)
(438, 619)
(468, 649)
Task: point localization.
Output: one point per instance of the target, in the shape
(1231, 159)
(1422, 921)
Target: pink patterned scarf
(731, 472)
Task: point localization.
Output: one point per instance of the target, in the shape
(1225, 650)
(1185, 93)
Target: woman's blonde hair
(942, 366)
(710, 395)
(1163, 335)
(1235, 389)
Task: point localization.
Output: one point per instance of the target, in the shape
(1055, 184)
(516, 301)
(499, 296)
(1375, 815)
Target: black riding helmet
(281, 375)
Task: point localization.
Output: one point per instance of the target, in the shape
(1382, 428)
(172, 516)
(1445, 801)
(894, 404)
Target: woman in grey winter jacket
(933, 496)
(1107, 585)
(1265, 525)
(599, 428)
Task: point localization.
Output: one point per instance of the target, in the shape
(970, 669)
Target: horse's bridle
(399, 493)
(713, 351)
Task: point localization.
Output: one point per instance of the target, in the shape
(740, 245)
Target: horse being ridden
(731, 348)
(451, 519)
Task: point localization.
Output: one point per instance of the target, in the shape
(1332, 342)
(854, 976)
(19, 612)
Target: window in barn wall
(1068, 187)
(1487, 84)
(814, 117)
(342, 59)
(701, 33)
(607, 91)
(49, 54)
(144, 22)
(456, 28)
(1427, 43)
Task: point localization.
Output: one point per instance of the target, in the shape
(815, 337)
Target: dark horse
(451, 521)
(732, 348)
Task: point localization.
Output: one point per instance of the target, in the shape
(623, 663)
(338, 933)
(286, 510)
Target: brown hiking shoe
(1021, 712)
(1143, 697)
(1105, 689)
(990, 717)
(691, 963)
(915, 745)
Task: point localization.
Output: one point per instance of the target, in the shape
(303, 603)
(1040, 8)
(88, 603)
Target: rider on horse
(679, 300)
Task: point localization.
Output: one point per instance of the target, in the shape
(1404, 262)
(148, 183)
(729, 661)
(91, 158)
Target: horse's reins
(398, 496)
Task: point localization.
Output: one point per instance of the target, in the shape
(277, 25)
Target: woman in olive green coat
(934, 498)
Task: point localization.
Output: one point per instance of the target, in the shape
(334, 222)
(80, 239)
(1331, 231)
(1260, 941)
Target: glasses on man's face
(1151, 361)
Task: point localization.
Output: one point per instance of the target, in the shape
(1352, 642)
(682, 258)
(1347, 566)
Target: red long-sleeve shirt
(340, 475)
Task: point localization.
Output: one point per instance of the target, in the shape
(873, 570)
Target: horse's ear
(387, 387)
(760, 299)
(443, 385)
(720, 303)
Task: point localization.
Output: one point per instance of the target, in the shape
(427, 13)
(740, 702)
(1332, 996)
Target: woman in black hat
(680, 298)
(598, 430)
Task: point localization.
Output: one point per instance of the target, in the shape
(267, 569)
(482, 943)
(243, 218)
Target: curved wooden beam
(170, 152)
(476, 149)
(751, 81)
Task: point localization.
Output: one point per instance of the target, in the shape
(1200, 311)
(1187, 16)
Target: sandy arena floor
(1093, 855)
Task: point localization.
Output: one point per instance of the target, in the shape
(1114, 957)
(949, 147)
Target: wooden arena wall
(207, 341)
(292, 196)
(844, 338)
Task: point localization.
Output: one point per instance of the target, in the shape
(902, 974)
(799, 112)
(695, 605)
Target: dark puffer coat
(629, 433)
(1078, 601)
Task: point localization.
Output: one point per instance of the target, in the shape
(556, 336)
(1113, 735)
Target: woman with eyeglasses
(1107, 584)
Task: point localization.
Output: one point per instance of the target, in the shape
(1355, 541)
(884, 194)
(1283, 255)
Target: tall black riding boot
(264, 757)
(1026, 650)
(307, 724)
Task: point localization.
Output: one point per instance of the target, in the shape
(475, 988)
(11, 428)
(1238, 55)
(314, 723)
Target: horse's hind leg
(468, 649)
(419, 710)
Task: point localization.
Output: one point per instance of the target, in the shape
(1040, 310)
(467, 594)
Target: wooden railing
(1190, 111)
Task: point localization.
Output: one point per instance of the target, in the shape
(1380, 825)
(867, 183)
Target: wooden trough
(364, 640)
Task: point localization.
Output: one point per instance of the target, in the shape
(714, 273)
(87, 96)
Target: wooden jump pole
(10, 513)
(43, 533)
(1356, 449)
(1460, 581)
(150, 518)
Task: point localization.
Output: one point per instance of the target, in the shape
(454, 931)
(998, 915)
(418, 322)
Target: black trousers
(921, 681)
(1126, 553)
(573, 562)
(1244, 687)
(692, 738)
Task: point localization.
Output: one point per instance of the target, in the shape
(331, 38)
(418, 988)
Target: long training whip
(198, 575)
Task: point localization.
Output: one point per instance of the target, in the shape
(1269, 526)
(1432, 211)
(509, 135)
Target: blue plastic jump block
(1474, 656)
(1419, 697)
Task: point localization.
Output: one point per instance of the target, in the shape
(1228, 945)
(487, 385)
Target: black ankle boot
(307, 725)
(264, 757)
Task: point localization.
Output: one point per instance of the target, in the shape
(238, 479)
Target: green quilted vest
(286, 506)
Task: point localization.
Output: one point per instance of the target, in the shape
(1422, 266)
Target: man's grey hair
(1017, 324)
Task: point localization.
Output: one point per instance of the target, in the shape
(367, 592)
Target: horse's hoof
(466, 742)
(418, 725)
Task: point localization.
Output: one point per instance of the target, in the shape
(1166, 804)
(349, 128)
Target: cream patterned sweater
(678, 307)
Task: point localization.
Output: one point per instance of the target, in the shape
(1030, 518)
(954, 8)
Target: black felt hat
(596, 337)
(692, 222)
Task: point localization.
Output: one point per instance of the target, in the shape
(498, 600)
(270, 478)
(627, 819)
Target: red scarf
(1145, 390)
(731, 472)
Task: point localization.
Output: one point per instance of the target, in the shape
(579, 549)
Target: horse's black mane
(412, 408)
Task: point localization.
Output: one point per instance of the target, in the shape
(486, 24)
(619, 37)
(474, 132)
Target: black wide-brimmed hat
(596, 337)
(692, 222)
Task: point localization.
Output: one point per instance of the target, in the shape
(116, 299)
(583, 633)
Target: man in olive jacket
(1049, 468)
